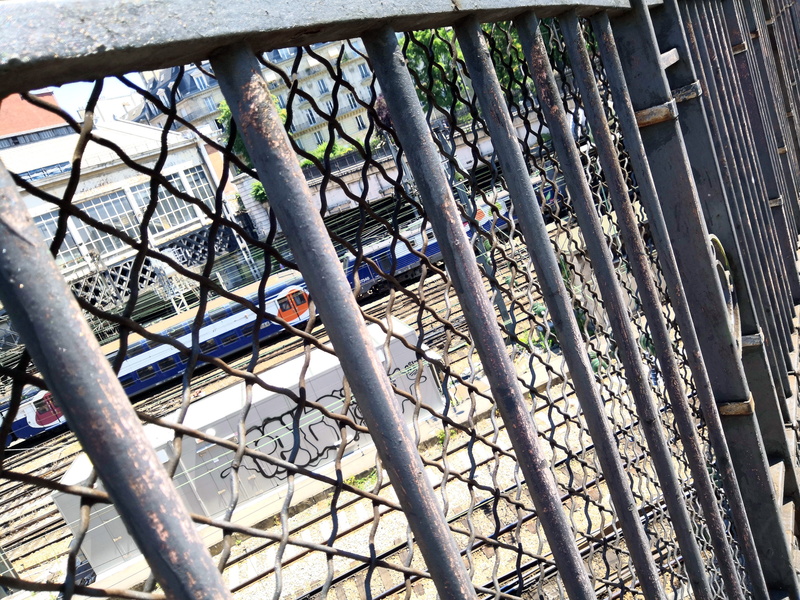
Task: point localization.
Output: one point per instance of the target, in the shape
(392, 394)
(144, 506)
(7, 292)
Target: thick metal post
(648, 294)
(242, 84)
(769, 406)
(440, 206)
(714, 51)
(673, 176)
(532, 224)
(741, 177)
(753, 86)
(50, 322)
(615, 305)
(669, 268)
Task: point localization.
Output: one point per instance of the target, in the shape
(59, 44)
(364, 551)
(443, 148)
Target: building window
(310, 116)
(322, 86)
(318, 137)
(351, 100)
(360, 123)
(199, 186)
(200, 81)
(282, 101)
(68, 253)
(363, 70)
(211, 106)
(170, 211)
(329, 106)
(300, 144)
(112, 209)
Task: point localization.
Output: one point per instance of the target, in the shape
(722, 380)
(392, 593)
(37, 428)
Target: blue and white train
(228, 326)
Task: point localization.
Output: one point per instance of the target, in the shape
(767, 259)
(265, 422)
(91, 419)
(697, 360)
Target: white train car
(275, 426)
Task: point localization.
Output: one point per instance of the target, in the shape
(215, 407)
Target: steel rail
(67, 354)
(247, 93)
(437, 198)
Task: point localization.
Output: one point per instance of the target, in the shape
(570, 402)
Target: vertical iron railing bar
(755, 86)
(661, 238)
(554, 292)
(754, 15)
(648, 295)
(748, 75)
(771, 59)
(624, 336)
(745, 194)
(681, 187)
(540, 251)
(54, 330)
(786, 70)
(437, 198)
(247, 93)
(729, 103)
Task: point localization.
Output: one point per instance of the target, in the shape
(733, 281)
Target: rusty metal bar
(441, 209)
(47, 317)
(669, 268)
(710, 48)
(753, 85)
(651, 305)
(624, 336)
(244, 87)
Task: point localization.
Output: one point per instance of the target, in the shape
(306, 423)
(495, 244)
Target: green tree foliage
(321, 151)
(433, 56)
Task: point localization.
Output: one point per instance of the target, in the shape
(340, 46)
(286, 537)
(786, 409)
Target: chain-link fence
(531, 410)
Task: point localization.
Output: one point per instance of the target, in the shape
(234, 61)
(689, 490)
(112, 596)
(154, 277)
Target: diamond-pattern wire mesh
(328, 522)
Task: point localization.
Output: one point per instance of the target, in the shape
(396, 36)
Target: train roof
(226, 404)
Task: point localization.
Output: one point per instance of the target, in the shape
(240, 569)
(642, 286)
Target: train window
(217, 315)
(229, 339)
(237, 308)
(429, 233)
(208, 345)
(177, 331)
(146, 372)
(136, 350)
(167, 364)
(284, 304)
(44, 404)
(247, 330)
(299, 299)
